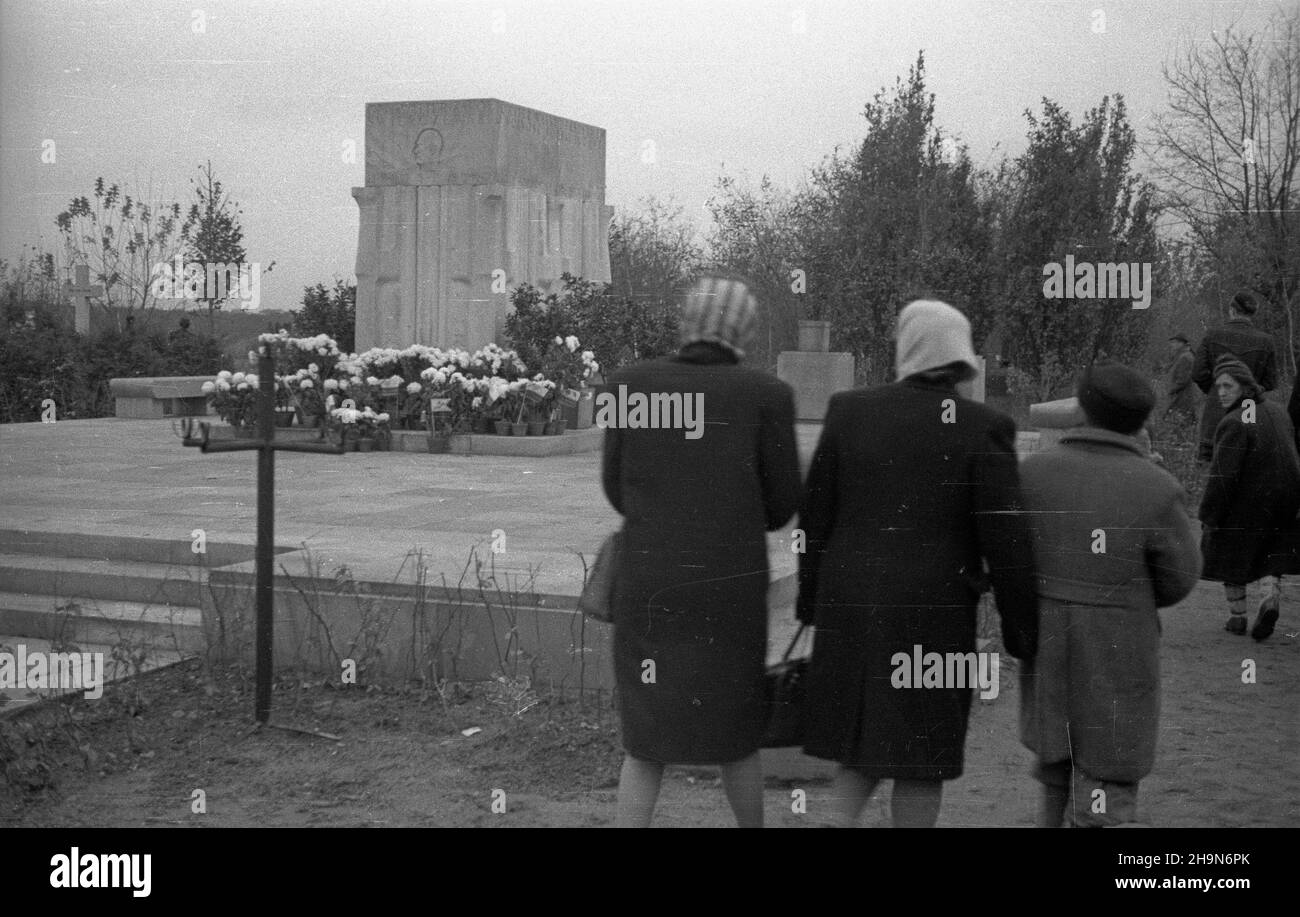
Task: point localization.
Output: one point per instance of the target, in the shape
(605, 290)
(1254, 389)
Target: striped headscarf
(719, 310)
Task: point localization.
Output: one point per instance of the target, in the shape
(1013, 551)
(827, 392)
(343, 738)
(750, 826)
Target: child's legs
(638, 790)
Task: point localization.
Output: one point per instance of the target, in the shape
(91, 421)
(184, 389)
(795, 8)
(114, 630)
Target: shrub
(619, 330)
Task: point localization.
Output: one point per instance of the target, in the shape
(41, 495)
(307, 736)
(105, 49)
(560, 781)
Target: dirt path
(1228, 753)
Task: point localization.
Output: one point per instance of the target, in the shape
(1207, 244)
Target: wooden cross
(265, 444)
(81, 293)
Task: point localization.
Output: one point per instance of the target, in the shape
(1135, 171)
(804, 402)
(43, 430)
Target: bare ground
(1228, 754)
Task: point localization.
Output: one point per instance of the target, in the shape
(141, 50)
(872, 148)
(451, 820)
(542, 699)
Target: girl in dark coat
(690, 603)
(911, 490)
(1251, 496)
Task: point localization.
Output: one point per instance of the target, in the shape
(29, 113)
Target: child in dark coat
(1113, 542)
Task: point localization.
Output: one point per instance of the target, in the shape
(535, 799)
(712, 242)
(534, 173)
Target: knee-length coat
(901, 511)
(1091, 695)
(1251, 496)
(690, 604)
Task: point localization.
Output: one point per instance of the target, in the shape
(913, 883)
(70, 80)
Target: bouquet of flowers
(234, 397)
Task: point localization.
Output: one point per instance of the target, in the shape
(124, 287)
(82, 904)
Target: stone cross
(81, 293)
(266, 445)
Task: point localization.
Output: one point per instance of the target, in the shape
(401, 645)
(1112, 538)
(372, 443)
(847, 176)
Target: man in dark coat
(912, 490)
(1251, 496)
(1181, 398)
(1113, 542)
(690, 600)
(1237, 337)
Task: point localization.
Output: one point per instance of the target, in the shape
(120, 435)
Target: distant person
(911, 491)
(690, 604)
(1251, 497)
(1237, 337)
(1090, 698)
(182, 337)
(1181, 397)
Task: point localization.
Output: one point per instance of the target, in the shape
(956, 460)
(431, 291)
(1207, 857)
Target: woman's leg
(1270, 606)
(638, 790)
(849, 794)
(1236, 596)
(915, 803)
(743, 781)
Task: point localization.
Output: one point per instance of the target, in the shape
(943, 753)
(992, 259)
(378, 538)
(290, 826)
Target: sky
(274, 93)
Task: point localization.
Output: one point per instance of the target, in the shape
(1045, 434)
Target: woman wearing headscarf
(690, 602)
(912, 491)
(1251, 497)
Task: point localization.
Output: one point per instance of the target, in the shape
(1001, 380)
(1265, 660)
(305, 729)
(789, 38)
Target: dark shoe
(1236, 625)
(1266, 619)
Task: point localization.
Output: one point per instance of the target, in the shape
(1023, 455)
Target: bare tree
(1227, 153)
(122, 239)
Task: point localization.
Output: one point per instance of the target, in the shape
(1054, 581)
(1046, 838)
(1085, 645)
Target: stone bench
(163, 396)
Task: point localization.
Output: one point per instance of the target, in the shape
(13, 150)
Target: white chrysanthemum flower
(306, 383)
(251, 379)
(242, 387)
(237, 378)
(331, 385)
(588, 356)
(559, 341)
(571, 342)
(414, 388)
(381, 418)
(252, 356)
(224, 374)
(477, 402)
(372, 380)
(343, 385)
(208, 388)
(313, 368)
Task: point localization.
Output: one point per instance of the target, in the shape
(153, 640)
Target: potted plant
(233, 397)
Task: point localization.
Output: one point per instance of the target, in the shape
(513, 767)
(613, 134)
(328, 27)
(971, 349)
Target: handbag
(786, 687)
(597, 598)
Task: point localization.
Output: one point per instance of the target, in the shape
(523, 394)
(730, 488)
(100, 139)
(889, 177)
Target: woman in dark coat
(1251, 496)
(690, 603)
(912, 489)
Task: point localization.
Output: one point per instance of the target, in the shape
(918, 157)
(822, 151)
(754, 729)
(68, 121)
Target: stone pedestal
(464, 201)
(814, 377)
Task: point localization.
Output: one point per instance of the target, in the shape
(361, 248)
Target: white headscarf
(932, 334)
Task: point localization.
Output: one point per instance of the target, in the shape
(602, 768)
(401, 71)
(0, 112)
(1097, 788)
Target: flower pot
(814, 336)
(365, 444)
(284, 418)
(518, 429)
(555, 428)
(479, 425)
(579, 416)
(536, 428)
(502, 427)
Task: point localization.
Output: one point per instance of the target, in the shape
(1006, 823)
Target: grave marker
(81, 292)
(266, 445)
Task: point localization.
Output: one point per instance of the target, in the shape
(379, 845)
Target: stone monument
(465, 200)
(813, 372)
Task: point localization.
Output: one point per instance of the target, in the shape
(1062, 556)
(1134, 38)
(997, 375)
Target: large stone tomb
(464, 200)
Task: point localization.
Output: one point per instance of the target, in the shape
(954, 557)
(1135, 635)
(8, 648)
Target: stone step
(114, 580)
(114, 547)
(80, 620)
